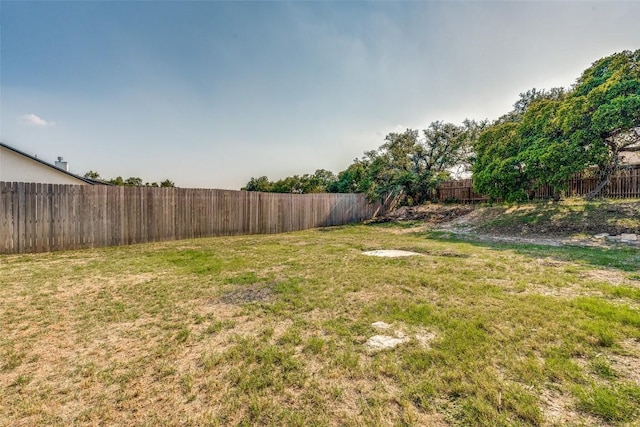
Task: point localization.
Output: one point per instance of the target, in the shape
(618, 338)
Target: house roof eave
(87, 180)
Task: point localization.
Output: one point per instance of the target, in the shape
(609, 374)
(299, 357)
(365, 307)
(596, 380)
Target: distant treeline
(129, 182)
(549, 136)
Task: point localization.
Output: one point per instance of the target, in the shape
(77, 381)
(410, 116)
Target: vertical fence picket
(6, 218)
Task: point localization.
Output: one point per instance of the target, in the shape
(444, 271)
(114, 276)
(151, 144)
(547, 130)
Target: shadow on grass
(625, 259)
(406, 224)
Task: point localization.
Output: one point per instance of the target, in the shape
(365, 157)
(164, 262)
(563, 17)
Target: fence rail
(624, 184)
(50, 217)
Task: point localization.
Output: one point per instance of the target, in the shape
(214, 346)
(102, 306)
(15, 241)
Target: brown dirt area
(555, 224)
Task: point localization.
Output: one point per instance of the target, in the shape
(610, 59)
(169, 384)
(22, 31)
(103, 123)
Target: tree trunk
(618, 141)
(604, 180)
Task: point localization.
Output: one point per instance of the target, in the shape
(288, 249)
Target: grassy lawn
(271, 330)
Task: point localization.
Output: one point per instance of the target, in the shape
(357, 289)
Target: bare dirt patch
(559, 409)
(565, 292)
(611, 277)
(246, 294)
(628, 362)
(429, 213)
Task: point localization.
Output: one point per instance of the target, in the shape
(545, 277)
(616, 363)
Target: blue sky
(210, 94)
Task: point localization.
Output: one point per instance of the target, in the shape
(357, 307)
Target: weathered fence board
(48, 217)
(625, 184)
(459, 190)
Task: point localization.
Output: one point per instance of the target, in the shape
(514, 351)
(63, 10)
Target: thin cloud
(33, 120)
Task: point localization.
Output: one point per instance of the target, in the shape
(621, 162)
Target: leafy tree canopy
(409, 164)
(551, 135)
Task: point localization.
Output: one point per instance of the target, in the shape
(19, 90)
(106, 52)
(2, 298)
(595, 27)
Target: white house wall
(17, 168)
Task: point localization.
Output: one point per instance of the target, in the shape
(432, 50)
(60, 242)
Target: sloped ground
(570, 221)
(430, 213)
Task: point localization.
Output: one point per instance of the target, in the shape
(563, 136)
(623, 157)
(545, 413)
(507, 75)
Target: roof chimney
(60, 164)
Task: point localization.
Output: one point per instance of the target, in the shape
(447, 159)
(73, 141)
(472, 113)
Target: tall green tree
(608, 97)
(354, 179)
(410, 164)
(551, 135)
(320, 182)
(498, 170)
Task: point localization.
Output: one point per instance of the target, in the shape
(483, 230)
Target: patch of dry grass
(271, 330)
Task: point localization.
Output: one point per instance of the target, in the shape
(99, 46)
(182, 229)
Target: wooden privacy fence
(624, 184)
(50, 217)
(460, 190)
